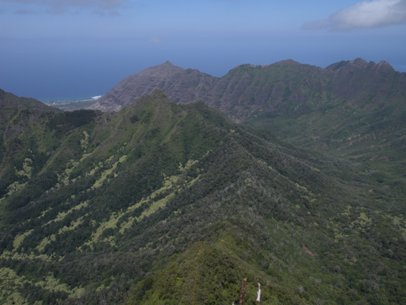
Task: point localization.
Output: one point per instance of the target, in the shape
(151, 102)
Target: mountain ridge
(164, 203)
(159, 77)
(259, 87)
(340, 109)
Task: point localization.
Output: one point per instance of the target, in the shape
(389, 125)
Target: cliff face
(286, 87)
(181, 85)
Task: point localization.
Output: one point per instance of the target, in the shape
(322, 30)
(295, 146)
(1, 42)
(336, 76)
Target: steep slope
(364, 123)
(181, 85)
(286, 87)
(174, 204)
(30, 134)
(16, 116)
(13, 108)
(352, 109)
(281, 88)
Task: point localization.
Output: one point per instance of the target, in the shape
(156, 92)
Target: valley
(177, 185)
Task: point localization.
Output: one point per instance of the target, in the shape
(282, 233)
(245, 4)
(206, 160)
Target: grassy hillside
(174, 204)
(369, 136)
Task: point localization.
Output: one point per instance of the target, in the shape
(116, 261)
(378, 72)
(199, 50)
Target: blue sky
(53, 49)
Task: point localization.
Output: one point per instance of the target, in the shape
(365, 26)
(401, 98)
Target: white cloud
(365, 14)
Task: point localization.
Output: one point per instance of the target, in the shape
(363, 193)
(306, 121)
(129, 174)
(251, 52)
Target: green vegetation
(174, 204)
(18, 240)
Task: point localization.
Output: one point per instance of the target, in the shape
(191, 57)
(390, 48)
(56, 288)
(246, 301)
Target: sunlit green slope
(174, 204)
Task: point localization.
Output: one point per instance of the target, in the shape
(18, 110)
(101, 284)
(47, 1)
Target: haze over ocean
(73, 49)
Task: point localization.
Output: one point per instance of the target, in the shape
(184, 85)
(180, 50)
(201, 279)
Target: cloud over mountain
(365, 14)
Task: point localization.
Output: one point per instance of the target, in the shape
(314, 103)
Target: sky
(68, 49)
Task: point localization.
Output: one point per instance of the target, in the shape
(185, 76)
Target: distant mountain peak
(359, 63)
(284, 62)
(242, 67)
(248, 89)
(384, 65)
(163, 69)
(288, 61)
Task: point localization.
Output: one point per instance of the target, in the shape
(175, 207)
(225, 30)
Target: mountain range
(286, 87)
(288, 175)
(340, 110)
